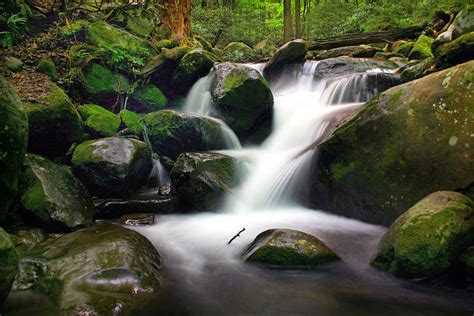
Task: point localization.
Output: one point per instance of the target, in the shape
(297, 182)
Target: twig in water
(238, 235)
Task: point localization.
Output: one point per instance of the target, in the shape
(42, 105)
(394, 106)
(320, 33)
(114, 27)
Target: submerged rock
(238, 52)
(426, 239)
(242, 99)
(98, 122)
(287, 248)
(112, 166)
(8, 264)
(339, 66)
(291, 52)
(13, 143)
(53, 198)
(409, 141)
(101, 270)
(202, 180)
(422, 48)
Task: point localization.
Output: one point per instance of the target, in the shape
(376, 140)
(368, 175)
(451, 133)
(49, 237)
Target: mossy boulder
(103, 269)
(291, 52)
(13, 63)
(422, 48)
(8, 264)
(172, 133)
(194, 65)
(98, 122)
(334, 67)
(48, 67)
(112, 38)
(238, 52)
(418, 69)
(427, 239)
(458, 51)
(146, 99)
(287, 248)
(13, 144)
(202, 180)
(26, 238)
(132, 122)
(409, 141)
(103, 86)
(242, 99)
(464, 22)
(403, 48)
(54, 123)
(113, 166)
(53, 198)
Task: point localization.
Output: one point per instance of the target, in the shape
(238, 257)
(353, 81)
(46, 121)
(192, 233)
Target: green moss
(458, 51)
(192, 66)
(405, 48)
(98, 121)
(73, 28)
(288, 257)
(14, 64)
(149, 99)
(339, 170)
(238, 52)
(132, 121)
(48, 67)
(8, 264)
(422, 48)
(100, 80)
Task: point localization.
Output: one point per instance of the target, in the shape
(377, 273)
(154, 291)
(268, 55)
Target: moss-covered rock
(389, 55)
(26, 238)
(238, 52)
(422, 48)
(54, 123)
(53, 198)
(102, 270)
(112, 166)
(426, 239)
(13, 143)
(192, 66)
(464, 21)
(204, 43)
(333, 67)
(202, 180)
(47, 67)
(172, 133)
(418, 70)
(8, 264)
(242, 98)
(147, 99)
(98, 122)
(14, 64)
(287, 248)
(291, 52)
(411, 140)
(404, 48)
(458, 51)
(132, 122)
(73, 28)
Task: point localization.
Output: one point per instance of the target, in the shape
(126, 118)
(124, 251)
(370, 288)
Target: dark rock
(418, 69)
(291, 52)
(8, 264)
(137, 219)
(334, 67)
(458, 51)
(114, 208)
(27, 238)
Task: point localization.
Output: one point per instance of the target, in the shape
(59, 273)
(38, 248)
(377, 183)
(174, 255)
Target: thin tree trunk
(176, 14)
(287, 23)
(298, 18)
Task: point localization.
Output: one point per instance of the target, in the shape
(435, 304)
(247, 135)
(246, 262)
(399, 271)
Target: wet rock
(54, 123)
(287, 248)
(291, 52)
(172, 133)
(137, 219)
(113, 166)
(403, 47)
(147, 99)
(53, 198)
(100, 270)
(422, 48)
(418, 69)
(132, 122)
(458, 51)
(407, 142)
(464, 22)
(238, 52)
(339, 66)
(387, 55)
(27, 238)
(202, 180)
(355, 51)
(14, 64)
(13, 143)
(98, 122)
(426, 239)
(8, 264)
(47, 67)
(242, 99)
(114, 208)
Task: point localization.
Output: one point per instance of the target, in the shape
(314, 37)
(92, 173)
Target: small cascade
(199, 99)
(159, 178)
(230, 140)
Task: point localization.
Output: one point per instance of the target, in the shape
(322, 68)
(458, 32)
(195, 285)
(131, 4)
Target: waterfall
(199, 99)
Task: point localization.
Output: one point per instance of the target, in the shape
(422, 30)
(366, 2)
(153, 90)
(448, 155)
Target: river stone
(409, 141)
(355, 51)
(202, 180)
(54, 123)
(97, 121)
(114, 208)
(27, 238)
(172, 133)
(425, 240)
(113, 166)
(287, 248)
(464, 22)
(291, 52)
(13, 143)
(403, 48)
(422, 48)
(458, 51)
(8, 264)
(238, 53)
(418, 69)
(137, 219)
(13, 63)
(100, 270)
(147, 99)
(53, 198)
(333, 67)
(242, 99)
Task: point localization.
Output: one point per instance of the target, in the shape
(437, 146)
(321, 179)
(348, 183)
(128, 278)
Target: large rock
(291, 52)
(409, 141)
(114, 208)
(53, 198)
(355, 51)
(54, 123)
(287, 248)
(340, 66)
(13, 143)
(172, 133)
(458, 51)
(422, 48)
(98, 122)
(464, 21)
(101, 270)
(202, 180)
(426, 239)
(418, 69)
(8, 264)
(238, 52)
(242, 98)
(112, 166)
(147, 99)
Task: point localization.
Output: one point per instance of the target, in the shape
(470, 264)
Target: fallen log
(366, 38)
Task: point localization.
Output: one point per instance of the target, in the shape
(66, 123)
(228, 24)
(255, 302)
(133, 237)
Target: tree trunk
(287, 23)
(298, 18)
(176, 14)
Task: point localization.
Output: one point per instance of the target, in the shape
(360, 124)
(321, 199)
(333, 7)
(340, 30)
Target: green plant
(14, 24)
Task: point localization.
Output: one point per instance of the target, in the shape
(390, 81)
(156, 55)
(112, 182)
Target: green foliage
(12, 32)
